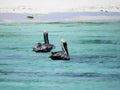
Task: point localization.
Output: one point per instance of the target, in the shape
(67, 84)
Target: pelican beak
(46, 40)
(64, 46)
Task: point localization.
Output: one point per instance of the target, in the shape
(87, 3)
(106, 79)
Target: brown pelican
(46, 46)
(61, 55)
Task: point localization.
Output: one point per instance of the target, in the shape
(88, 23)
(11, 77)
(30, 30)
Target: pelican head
(45, 31)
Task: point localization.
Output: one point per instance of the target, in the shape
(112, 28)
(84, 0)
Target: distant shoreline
(24, 9)
(62, 17)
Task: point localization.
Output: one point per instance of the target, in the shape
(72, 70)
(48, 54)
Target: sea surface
(94, 48)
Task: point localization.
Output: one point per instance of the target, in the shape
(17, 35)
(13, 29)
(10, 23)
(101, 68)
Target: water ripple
(99, 42)
(65, 74)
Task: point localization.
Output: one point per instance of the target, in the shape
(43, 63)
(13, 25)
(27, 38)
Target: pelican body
(45, 47)
(61, 55)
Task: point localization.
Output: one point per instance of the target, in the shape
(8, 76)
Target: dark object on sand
(61, 55)
(45, 47)
(30, 17)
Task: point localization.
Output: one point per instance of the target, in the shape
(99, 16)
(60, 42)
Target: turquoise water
(94, 49)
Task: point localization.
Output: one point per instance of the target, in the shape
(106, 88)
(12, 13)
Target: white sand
(42, 11)
(48, 6)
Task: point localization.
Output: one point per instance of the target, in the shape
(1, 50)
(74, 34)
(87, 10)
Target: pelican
(46, 46)
(61, 55)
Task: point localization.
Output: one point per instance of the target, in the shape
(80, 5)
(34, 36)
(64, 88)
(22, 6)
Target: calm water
(94, 49)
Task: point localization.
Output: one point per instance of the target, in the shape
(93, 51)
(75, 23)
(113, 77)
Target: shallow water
(94, 49)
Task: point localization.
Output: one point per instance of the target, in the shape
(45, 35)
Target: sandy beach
(59, 11)
(50, 6)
